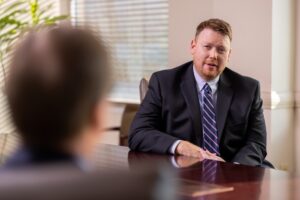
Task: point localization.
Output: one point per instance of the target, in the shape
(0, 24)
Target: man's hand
(186, 161)
(188, 149)
(213, 156)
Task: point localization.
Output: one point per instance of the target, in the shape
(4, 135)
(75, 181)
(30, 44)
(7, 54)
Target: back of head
(57, 77)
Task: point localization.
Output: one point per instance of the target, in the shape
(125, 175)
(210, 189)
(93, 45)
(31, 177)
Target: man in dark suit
(202, 108)
(58, 78)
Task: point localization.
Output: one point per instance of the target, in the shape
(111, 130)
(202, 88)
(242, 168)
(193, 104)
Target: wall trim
(280, 100)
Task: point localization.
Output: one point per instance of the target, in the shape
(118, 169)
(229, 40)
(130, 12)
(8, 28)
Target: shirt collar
(213, 84)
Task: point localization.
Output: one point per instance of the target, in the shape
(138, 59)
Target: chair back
(143, 88)
(129, 113)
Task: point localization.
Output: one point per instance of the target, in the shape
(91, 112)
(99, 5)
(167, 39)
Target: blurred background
(150, 35)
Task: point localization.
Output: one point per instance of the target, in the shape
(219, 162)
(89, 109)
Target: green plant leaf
(14, 7)
(13, 14)
(53, 20)
(7, 34)
(45, 9)
(9, 21)
(34, 6)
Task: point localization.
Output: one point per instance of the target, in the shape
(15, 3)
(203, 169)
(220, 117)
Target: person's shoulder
(237, 78)
(173, 72)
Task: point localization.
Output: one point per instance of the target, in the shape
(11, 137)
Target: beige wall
(251, 46)
(283, 83)
(297, 89)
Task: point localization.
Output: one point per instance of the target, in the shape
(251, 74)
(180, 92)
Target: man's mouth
(211, 64)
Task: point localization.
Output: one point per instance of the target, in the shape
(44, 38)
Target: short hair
(217, 25)
(57, 76)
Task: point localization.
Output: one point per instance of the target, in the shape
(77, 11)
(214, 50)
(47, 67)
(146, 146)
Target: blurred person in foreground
(57, 82)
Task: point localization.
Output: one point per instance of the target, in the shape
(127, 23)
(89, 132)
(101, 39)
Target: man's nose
(213, 53)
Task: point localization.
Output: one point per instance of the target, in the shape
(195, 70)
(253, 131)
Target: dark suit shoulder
(175, 73)
(238, 80)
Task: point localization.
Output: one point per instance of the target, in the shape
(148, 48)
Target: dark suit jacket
(171, 111)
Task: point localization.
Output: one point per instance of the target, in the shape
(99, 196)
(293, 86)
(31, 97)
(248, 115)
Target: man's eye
(221, 50)
(207, 46)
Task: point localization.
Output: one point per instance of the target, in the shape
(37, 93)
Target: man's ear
(192, 46)
(229, 54)
(98, 120)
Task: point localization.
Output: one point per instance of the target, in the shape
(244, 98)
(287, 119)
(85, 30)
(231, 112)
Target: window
(137, 34)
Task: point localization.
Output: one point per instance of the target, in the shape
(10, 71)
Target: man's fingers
(188, 149)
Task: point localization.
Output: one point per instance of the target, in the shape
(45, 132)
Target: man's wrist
(174, 146)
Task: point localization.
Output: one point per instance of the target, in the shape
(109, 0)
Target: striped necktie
(209, 171)
(210, 133)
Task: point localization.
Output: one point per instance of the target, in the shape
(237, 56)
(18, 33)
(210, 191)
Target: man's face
(211, 51)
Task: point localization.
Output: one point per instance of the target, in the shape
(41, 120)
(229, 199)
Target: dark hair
(57, 76)
(217, 25)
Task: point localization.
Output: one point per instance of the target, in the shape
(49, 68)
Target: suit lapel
(190, 94)
(225, 94)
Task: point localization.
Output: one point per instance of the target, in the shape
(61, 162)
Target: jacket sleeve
(147, 129)
(254, 152)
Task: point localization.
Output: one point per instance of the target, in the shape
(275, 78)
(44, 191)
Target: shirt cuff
(174, 163)
(174, 146)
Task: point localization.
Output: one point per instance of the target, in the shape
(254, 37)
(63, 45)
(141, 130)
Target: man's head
(211, 48)
(58, 78)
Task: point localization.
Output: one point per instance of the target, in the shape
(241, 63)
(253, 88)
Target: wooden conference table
(244, 182)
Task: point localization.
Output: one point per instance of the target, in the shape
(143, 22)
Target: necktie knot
(206, 88)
